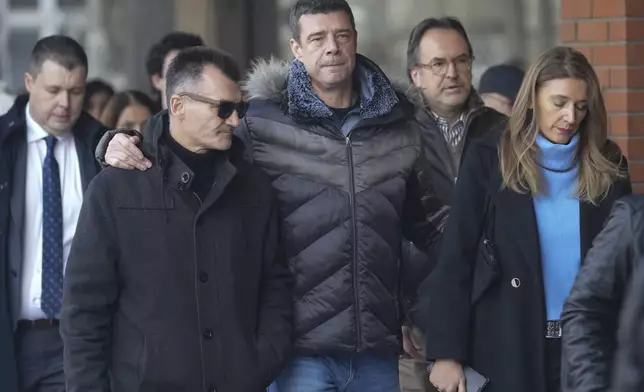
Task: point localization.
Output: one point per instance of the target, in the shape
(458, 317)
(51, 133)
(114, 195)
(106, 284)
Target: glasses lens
(242, 108)
(226, 109)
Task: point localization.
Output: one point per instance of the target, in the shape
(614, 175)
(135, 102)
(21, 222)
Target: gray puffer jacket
(347, 194)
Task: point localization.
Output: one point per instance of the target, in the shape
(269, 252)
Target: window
(71, 3)
(23, 4)
(26, 21)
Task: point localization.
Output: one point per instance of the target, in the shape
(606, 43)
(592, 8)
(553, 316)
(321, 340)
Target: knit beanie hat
(504, 79)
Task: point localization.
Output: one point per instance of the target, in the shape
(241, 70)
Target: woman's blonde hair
(599, 161)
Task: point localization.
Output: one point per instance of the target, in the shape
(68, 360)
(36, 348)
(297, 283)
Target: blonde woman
(529, 201)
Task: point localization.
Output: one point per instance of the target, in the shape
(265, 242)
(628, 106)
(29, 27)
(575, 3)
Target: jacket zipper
(195, 264)
(352, 201)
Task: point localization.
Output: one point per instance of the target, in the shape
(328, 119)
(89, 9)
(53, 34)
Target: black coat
(591, 313)
(167, 293)
(625, 237)
(346, 201)
(13, 133)
(437, 167)
(487, 322)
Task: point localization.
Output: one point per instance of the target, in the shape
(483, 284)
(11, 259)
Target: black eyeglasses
(225, 109)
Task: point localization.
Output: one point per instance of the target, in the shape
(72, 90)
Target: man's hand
(123, 153)
(408, 343)
(447, 376)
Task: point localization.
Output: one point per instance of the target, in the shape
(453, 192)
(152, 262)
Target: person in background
(591, 316)
(160, 56)
(128, 110)
(451, 115)
(499, 86)
(97, 94)
(528, 203)
(47, 145)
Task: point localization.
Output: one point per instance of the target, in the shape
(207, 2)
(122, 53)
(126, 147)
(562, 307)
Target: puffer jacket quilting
(341, 201)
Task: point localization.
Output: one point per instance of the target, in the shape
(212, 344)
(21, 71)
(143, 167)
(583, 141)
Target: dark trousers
(553, 365)
(40, 360)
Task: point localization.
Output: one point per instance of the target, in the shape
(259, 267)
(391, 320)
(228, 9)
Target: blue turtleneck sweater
(557, 212)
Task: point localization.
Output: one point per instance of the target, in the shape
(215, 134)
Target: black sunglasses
(225, 109)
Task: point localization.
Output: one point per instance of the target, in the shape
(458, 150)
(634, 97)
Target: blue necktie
(52, 234)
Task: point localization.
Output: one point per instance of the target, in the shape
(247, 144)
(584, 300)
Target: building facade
(118, 33)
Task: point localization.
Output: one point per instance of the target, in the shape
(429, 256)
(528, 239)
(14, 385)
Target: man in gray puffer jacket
(341, 146)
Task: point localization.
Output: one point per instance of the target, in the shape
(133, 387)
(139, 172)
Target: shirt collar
(35, 132)
(441, 120)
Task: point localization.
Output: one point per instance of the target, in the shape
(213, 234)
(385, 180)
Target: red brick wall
(611, 34)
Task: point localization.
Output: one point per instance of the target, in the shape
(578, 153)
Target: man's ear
(414, 73)
(29, 82)
(177, 107)
(296, 49)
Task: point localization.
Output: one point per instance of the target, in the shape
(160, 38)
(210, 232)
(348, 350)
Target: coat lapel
(86, 162)
(225, 173)
(520, 222)
(17, 203)
(434, 140)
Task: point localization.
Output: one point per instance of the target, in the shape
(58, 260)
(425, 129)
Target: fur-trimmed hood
(288, 85)
(267, 80)
(412, 93)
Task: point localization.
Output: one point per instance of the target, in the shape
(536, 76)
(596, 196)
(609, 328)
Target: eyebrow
(445, 58)
(559, 96)
(323, 32)
(316, 33)
(61, 87)
(336, 31)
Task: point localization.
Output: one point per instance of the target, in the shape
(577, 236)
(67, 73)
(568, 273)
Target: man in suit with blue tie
(47, 160)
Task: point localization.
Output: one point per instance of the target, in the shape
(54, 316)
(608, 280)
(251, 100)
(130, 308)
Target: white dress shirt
(72, 198)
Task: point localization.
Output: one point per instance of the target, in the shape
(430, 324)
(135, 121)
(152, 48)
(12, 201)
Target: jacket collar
(377, 97)
(288, 85)
(416, 97)
(15, 120)
(175, 172)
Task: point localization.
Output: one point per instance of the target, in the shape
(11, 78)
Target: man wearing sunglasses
(175, 281)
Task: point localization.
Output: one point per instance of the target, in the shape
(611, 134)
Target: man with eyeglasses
(439, 65)
(175, 281)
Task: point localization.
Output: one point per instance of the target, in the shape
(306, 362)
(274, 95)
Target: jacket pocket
(244, 367)
(128, 355)
(486, 269)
